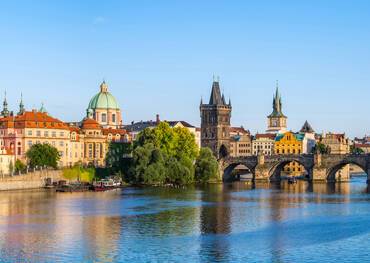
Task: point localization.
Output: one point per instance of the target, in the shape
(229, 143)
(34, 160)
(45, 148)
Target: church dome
(103, 100)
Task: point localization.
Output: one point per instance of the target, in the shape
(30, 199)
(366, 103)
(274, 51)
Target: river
(218, 223)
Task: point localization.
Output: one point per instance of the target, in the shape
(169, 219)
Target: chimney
(157, 118)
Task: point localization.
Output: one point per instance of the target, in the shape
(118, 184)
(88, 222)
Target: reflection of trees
(215, 219)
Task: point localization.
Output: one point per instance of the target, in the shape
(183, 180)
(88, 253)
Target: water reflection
(217, 223)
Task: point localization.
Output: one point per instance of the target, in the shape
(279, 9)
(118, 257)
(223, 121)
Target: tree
(163, 155)
(206, 166)
(356, 150)
(321, 148)
(19, 166)
(43, 155)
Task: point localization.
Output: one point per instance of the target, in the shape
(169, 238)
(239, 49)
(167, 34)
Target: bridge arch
(227, 172)
(331, 175)
(277, 168)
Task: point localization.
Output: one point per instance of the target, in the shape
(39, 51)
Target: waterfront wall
(36, 179)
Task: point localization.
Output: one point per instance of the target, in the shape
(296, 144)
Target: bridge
(319, 167)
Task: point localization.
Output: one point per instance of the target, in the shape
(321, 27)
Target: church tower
(215, 122)
(276, 121)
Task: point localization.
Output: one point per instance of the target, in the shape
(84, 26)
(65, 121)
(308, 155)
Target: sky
(160, 57)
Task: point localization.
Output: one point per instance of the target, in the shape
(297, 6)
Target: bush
(19, 166)
(79, 173)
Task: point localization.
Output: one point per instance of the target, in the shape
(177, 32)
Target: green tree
(185, 145)
(321, 148)
(356, 150)
(19, 166)
(206, 166)
(43, 155)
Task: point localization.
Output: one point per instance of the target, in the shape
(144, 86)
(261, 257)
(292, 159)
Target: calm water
(219, 223)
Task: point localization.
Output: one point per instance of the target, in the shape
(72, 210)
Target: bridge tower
(215, 122)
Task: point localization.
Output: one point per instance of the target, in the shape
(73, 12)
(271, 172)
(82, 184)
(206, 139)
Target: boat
(292, 180)
(105, 185)
(72, 187)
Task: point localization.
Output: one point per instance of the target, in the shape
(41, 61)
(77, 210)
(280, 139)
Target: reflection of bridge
(319, 167)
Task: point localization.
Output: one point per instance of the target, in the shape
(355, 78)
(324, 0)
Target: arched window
(113, 117)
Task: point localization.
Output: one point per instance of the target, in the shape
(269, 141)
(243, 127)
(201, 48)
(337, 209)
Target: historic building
(290, 143)
(240, 142)
(7, 161)
(263, 143)
(276, 121)
(215, 122)
(104, 108)
(85, 142)
(309, 139)
(338, 143)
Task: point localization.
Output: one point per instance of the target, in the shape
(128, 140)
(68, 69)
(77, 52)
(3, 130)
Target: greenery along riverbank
(164, 155)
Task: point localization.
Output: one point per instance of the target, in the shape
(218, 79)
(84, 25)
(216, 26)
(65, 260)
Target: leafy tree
(321, 148)
(43, 155)
(19, 166)
(206, 166)
(185, 145)
(356, 150)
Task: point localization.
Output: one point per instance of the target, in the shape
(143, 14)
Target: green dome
(103, 100)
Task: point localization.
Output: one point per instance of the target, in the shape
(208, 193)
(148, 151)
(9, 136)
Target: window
(29, 133)
(54, 134)
(104, 117)
(38, 133)
(46, 133)
(29, 143)
(113, 117)
(61, 134)
(61, 143)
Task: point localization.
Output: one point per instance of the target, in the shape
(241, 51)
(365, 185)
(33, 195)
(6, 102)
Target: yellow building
(290, 143)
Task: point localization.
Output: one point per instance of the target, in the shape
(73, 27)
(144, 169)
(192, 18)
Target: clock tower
(276, 121)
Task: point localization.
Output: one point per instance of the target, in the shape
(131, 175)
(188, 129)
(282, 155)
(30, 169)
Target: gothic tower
(276, 120)
(215, 122)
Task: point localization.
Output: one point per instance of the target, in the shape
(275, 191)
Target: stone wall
(32, 180)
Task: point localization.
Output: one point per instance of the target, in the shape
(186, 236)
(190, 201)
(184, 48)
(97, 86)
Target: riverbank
(32, 180)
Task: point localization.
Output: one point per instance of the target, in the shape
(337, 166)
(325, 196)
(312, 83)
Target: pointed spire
(223, 99)
(42, 109)
(229, 101)
(201, 100)
(5, 111)
(216, 97)
(21, 106)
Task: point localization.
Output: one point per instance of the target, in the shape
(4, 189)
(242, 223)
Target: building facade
(240, 142)
(263, 143)
(215, 122)
(290, 143)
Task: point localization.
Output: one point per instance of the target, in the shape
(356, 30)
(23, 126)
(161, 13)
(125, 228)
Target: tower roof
(103, 100)
(276, 104)
(216, 97)
(306, 128)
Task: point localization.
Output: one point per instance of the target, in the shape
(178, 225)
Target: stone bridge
(319, 167)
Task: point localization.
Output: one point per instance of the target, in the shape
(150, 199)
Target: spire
(21, 106)
(223, 99)
(5, 111)
(276, 103)
(42, 109)
(229, 101)
(216, 98)
(201, 100)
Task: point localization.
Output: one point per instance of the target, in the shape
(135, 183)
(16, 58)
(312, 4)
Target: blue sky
(160, 56)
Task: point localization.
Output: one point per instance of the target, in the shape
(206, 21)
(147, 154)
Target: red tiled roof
(265, 135)
(114, 131)
(238, 129)
(90, 124)
(32, 119)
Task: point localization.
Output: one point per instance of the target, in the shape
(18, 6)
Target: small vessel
(72, 187)
(292, 180)
(105, 185)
